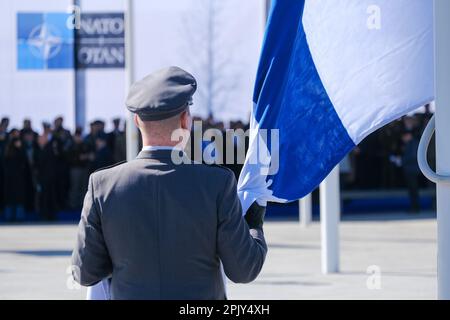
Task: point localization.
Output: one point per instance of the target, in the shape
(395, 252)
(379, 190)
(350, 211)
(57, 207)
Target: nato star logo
(44, 41)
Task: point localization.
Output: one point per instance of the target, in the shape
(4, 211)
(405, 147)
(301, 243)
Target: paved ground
(34, 260)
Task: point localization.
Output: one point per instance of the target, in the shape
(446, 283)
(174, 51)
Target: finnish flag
(331, 72)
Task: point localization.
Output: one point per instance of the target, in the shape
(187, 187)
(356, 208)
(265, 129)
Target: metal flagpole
(131, 133)
(305, 208)
(268, 4)
(330, 207)
(80, 74)
(440, 122)
(442, 47)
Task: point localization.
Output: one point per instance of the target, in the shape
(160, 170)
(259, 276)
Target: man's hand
(255, 216)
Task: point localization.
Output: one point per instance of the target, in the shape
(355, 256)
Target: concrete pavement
(400, 254)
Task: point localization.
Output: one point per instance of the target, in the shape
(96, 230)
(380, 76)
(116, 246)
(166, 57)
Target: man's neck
(159, 143)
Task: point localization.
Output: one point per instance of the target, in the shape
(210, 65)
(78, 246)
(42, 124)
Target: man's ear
(185, 120)
(136, 120)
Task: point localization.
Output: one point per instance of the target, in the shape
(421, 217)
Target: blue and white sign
(100, 41)
(44, 41)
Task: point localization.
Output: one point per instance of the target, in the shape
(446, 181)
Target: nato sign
(100, 41)
(50, 41)
(44, 41)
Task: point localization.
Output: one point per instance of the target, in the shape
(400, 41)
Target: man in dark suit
(411, 169)
(4, 137)
(116, 142)
(159, 227)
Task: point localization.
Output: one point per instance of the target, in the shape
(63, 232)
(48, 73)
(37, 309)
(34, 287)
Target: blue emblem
(44, 41)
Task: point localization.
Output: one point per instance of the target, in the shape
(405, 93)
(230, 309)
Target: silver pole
(330, 207)
(442, 48)
(80, 74)
(268, 4)
(305, 207)
(132, 133)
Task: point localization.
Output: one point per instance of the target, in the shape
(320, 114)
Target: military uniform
(159, 229)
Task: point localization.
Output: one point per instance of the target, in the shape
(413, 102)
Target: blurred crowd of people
(387, 159)
(48, 172)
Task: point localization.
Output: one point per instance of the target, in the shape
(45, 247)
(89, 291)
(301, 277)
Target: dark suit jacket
(159, 229)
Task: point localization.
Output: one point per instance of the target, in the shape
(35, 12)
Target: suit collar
(159, 154)
(152, 148)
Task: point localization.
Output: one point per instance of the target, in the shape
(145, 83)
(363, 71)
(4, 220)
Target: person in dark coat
(63, 144)
(79, 162)
(411, 169)
(96, 130)
(4, 123)
(103, 156)
(27, 129)
(117, 143)
(15, 180)
(61, 133)
(47, 177)
(31, 150)
(162, 229)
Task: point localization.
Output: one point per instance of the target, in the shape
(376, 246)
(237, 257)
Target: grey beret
(162, 94)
